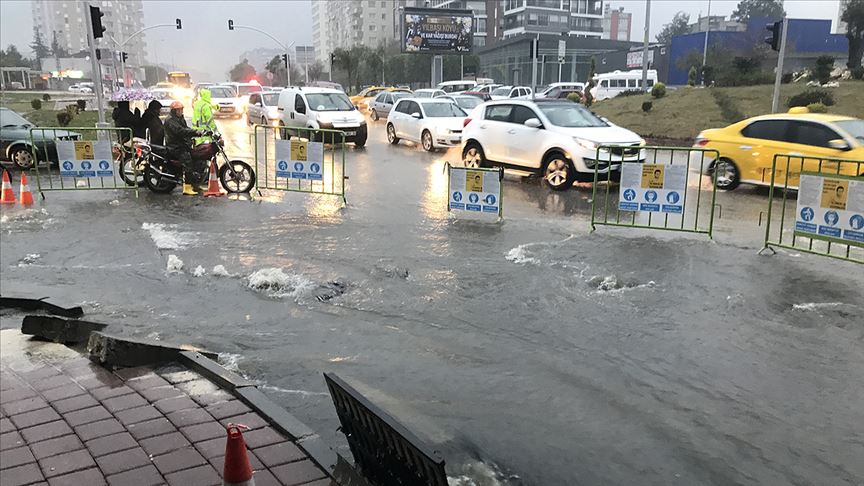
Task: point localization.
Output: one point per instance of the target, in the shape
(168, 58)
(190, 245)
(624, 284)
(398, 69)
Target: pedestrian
(151, 121)
(123, 118)
(202, 113)
(178, 140)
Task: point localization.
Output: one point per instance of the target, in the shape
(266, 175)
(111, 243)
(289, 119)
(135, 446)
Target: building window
(383, 4)
(371, 28)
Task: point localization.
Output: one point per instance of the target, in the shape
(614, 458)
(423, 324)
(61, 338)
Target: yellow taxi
(747, 148)
(361, 100)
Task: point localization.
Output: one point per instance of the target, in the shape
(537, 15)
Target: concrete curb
(59, 330)
(39, 304)
(119, 351)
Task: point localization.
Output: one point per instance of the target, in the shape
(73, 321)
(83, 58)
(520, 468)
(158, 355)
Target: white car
(556, 138)
(554, 90)
(165, 96)
(456, 87)
(466, 102)
(428, 93)
(432, 122)
(303, 108)
(231, 104)
(263, 108)
(509, 92)
(80, 88)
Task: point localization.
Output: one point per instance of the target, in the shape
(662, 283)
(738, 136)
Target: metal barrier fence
(300, 160)
(657, 188)
(478, 190)
(387, 453)
(87, 158)
(828, 217)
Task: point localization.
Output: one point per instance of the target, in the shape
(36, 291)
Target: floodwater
(530, 351)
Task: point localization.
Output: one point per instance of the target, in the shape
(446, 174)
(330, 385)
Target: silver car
(263, 108)
(382, 104)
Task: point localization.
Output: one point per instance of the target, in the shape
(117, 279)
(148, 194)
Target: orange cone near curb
(8, 196)
(213, 185)
(26, 195)
(238, 471)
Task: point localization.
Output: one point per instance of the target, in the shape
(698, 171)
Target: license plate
(350, 134)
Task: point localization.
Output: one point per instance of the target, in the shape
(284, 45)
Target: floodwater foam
(166, 238)
(175, 265)
(276, 283)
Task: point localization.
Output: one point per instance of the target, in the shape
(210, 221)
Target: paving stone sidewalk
(65, 421)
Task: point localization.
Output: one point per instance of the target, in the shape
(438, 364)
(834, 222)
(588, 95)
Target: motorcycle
(162, 174)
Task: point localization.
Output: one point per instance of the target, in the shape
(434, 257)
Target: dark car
(15, 140)
(479, 94)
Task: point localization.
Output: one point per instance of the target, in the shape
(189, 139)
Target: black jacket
(150, 121)
(178, 135)
(123, 118)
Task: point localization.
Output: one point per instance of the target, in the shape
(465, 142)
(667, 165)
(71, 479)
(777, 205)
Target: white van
(610, 85)
(326, 108)
(451, 87)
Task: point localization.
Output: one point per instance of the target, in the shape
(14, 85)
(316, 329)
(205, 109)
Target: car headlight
(586, 144)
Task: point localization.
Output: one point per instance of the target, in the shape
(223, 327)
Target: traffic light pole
(287, 48)
(120, 45)
(775, 100)
(94, 63)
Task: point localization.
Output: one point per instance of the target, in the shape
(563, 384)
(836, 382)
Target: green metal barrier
(678, 199)
(827, 217)
(82, 161)
(285, 159)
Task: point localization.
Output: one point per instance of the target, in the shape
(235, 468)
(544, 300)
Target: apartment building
(343, 24)
(616, 23)
(576, 18)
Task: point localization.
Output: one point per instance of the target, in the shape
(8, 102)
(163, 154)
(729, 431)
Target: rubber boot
(188, 189)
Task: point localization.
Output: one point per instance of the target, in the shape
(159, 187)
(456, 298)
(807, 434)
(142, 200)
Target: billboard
(439, 31)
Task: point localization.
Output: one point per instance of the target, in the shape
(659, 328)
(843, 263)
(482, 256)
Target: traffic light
(98, 54)
(285, 58)
(124, 56)
(96, 20)
(533, 49)
(332, 57)
(230, 24)
(776, 30)
(179, 24)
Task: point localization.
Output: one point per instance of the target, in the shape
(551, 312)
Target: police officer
(202, 113)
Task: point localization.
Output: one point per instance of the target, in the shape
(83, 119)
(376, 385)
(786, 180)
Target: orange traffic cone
(8, 196)
(238, 471)
(213, 185)
(26, 195)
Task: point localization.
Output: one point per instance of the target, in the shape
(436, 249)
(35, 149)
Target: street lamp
(119, 44)
(286, 48)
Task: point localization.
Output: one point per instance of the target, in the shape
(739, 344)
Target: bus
(610, 85)
(179, 79)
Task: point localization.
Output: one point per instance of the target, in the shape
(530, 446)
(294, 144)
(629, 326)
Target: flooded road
(531, 351)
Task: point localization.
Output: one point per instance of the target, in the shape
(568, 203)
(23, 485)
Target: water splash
(219, 271)
(29, 259)
(230, 361)
(166, 238)
(199, 271)
(175, 265)
(276, 283)
(520, 255)
(815, 306)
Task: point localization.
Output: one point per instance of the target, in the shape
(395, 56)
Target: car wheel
(558, 172)
(391, 134)
(426, 139)
(473, 156)
(374, 114)
(728, 177)
(23, 158)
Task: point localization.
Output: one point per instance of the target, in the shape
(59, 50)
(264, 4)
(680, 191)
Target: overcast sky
(206, 46)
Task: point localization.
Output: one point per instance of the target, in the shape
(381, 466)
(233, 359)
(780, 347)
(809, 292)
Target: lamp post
(119, 44)
(286, 48)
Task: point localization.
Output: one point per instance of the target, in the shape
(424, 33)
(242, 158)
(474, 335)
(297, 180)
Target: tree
(40, 50)
(754, 9)
(345, 60)
(680, 25)
(154, 74)
(276, 67)
(854, 18)
(691, 76)
(315, 70)
(244, 71)
(822, 69)
(57, 49)
(12, 58)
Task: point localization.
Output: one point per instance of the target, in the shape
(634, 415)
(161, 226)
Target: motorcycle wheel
(127, 172)
(242, 180)
(155, 183)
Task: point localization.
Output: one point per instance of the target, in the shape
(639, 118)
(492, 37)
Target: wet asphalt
(530, 350)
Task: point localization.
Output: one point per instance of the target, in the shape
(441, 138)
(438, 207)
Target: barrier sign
(474, 190)
(831, 208)
(87, 158)
(299, 159)
(655, 188)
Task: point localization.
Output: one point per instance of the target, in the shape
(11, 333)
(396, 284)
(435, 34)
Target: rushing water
(529, 351)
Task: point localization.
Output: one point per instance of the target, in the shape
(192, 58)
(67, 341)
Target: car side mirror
(533, 123)
(416, 115)
(839, 144)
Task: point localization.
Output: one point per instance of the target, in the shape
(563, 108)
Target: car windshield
(161, 94)
(853, 127)
(467, 102)
(422, 94)
(9, 118)
(329, 102)
(221, 93)
(271, 99)
(570, 115)
(503, 91)
(245, 90)
(399, 95)
(440, 110)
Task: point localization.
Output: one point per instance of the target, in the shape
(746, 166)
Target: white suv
(557, 138)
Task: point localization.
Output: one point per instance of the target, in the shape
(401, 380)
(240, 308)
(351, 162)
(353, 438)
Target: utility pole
(287, 48)
(94, 63)
(645, 45)
(535, 44)
(775, 100)
(705, 45)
